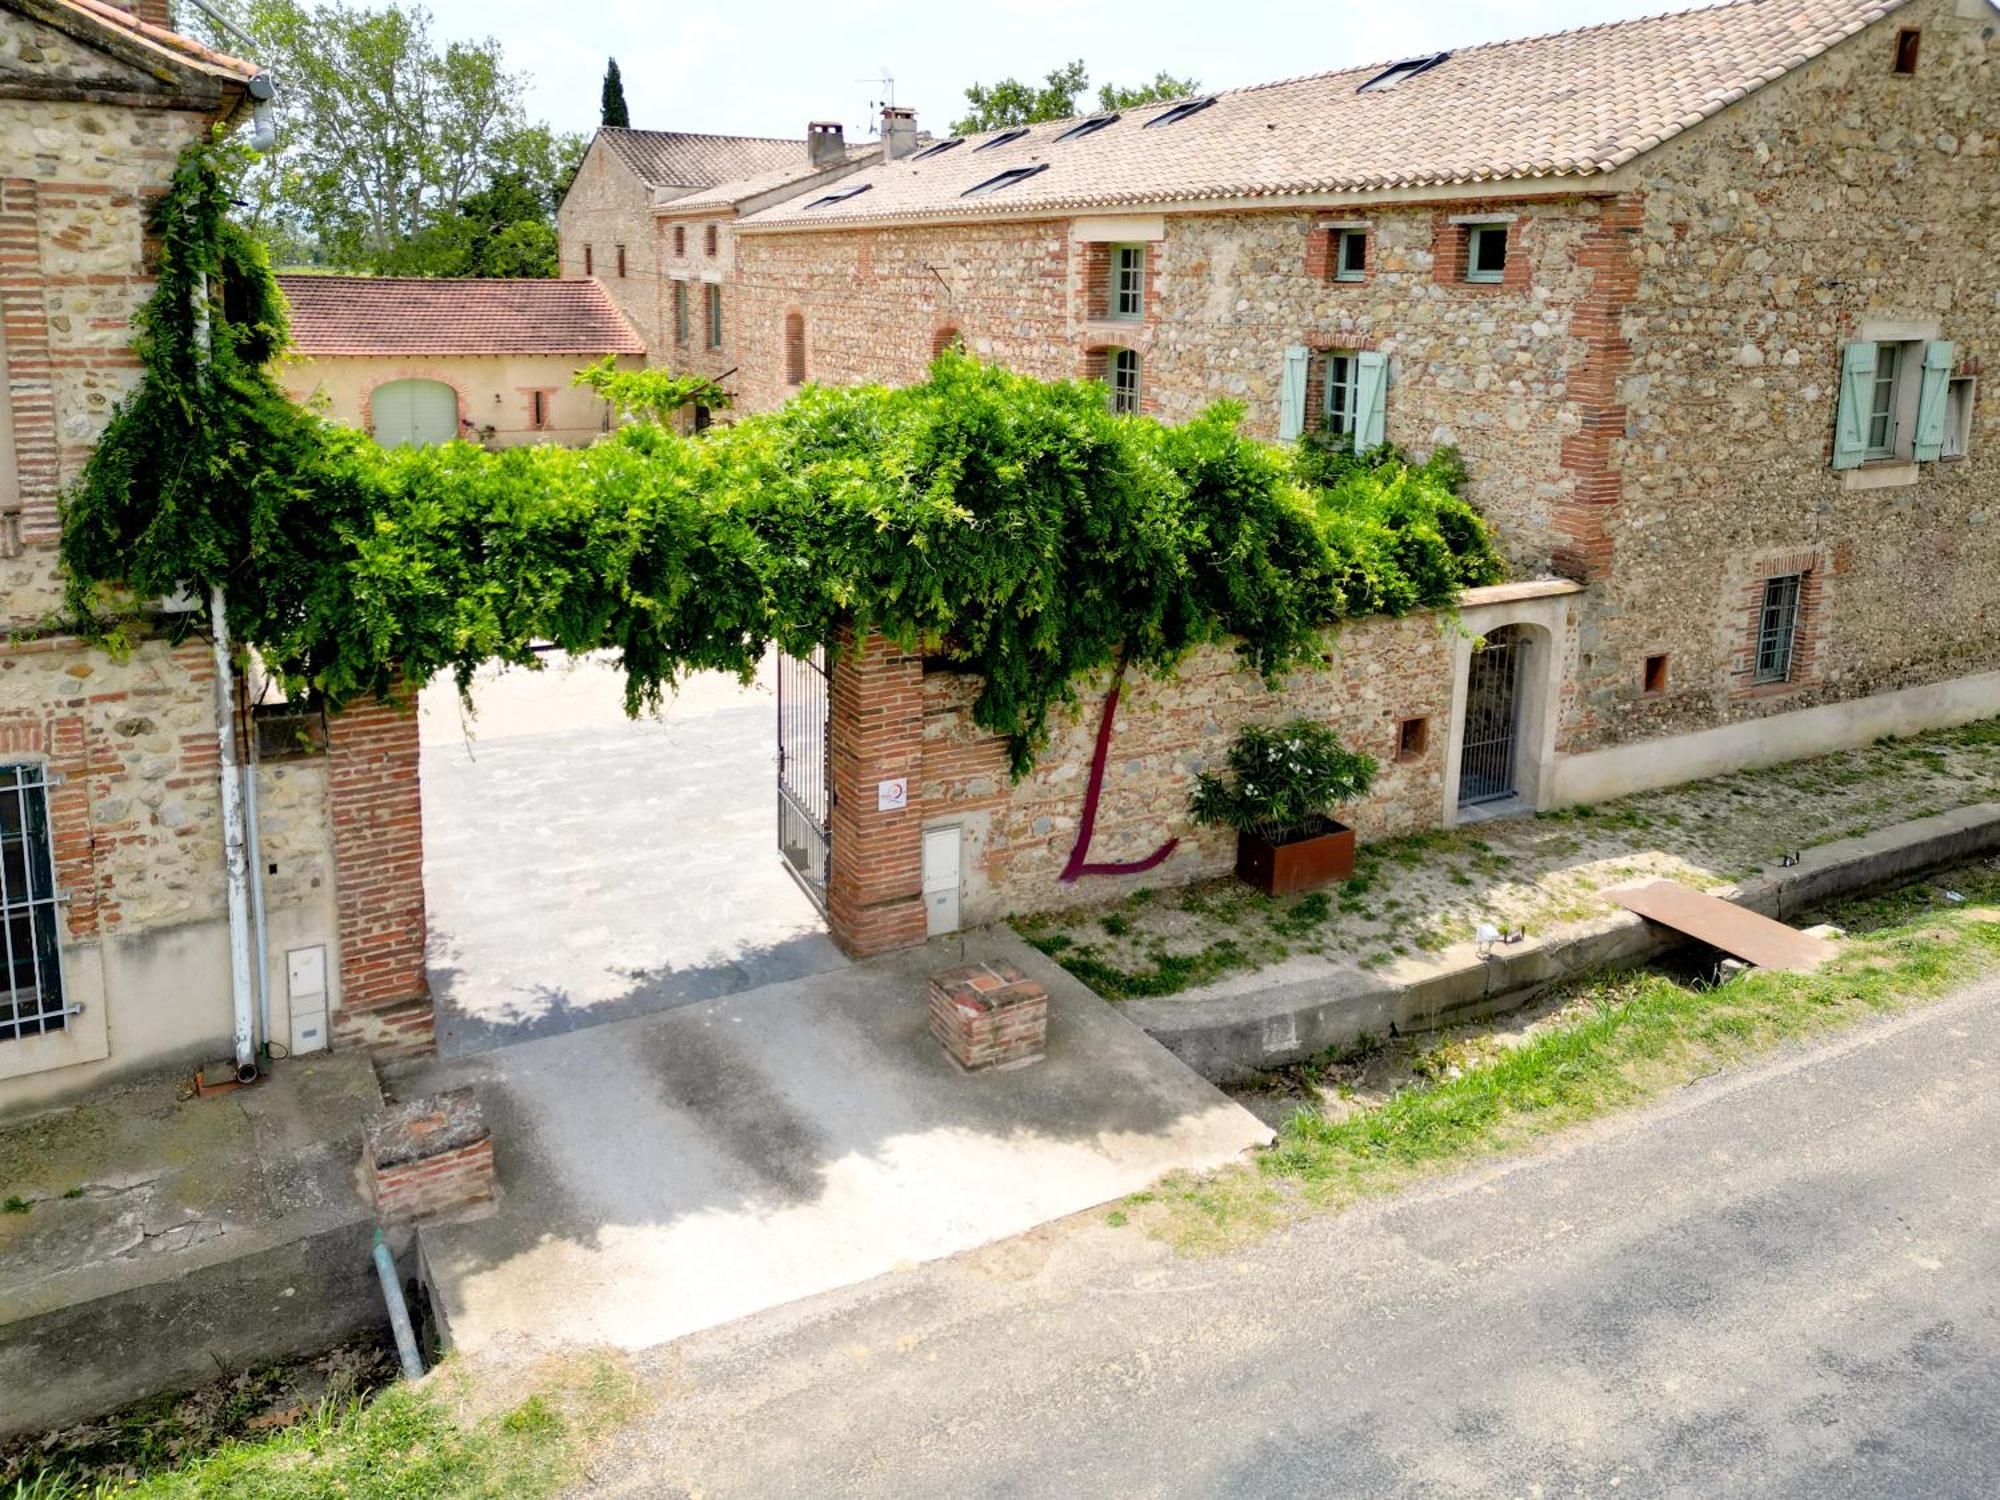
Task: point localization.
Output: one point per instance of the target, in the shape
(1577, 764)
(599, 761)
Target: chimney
(899, 131)
(826, 144)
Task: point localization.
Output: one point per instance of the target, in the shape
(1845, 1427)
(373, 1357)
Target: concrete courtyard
(581, 866)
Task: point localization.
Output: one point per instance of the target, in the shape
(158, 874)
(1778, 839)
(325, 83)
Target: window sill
(1880, 474)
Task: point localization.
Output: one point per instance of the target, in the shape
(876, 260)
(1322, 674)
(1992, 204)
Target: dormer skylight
(1004, 180)
(1000, 140)
(1395, 73)
(939, 149)
(839, 197)
(1087, 127)
(1179, 112)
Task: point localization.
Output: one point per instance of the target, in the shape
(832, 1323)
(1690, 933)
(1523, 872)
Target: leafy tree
(611, 107)
(1012, 102)
(396, 153)
(650, 395)
(1164, 86)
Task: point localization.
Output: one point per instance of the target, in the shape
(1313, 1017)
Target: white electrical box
(941, 879)
(305, 996)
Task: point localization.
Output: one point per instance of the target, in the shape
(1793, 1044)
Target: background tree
(396, 154)
(612, 110)
(1164, 86)
(1012, 102)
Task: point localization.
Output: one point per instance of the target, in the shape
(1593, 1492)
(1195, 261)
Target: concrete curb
(1303, 1006)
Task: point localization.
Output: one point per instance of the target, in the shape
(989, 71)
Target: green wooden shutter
(1850, 422)
(1292, 394)
(1371, 399)
(1931, 402)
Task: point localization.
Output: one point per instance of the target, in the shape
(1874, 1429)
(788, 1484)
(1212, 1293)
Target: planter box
(1298, 864)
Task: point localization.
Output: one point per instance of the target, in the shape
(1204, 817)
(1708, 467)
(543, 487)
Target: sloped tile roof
(679, 158)
(743, 189)
(1568, 105)
(410, 315)
(180, 49)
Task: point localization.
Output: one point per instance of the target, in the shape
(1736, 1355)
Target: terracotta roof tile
(1568, 105)
(679, 158)
(409, 315)
(183, 49)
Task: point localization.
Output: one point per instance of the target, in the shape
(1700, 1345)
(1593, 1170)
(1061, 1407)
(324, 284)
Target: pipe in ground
(399, 1311)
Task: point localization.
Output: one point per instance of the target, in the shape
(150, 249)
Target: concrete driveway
(581, 867)
(676, 1171)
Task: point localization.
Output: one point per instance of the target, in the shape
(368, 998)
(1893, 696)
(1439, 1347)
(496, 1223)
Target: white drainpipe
(234, 845)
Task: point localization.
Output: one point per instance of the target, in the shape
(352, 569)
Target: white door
(414, 413)
(941, 865)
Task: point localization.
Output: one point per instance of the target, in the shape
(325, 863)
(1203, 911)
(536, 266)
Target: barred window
(31, 996)
(1778, 628)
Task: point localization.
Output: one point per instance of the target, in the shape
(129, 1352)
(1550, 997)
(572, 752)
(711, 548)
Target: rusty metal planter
(1310, 858)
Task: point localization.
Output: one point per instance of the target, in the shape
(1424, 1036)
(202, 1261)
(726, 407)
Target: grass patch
(412, 1442)
(1635, 1035)
(1167, 974)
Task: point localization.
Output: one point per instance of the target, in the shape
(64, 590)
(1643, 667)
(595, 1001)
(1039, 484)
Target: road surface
(1783, 1281)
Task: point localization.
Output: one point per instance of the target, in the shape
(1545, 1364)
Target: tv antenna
(887, 84)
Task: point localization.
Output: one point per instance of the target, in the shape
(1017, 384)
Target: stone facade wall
(697, 253)
(493, 392)
(1017, 836)
(607, 206)
(1841, 201)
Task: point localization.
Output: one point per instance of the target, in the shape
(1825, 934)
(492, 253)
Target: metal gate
(1486, 755)
(805, 787)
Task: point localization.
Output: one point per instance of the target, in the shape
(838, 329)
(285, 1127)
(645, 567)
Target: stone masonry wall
(1494, 369)
(1017, 836)
(1843, 194)
(607, 206)
(695, 253)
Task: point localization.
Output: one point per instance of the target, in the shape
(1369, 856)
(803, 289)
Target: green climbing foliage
(650, 395)
(1013, 526)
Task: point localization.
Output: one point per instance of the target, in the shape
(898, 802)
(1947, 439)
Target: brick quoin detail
(1589, 455)
(378, 854)
(875, 733)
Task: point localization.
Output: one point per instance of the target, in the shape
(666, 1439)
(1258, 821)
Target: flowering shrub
(1282, 781)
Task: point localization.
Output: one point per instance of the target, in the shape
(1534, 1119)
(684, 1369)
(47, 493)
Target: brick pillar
(875, 733)
(378, 861)
(1590, 455)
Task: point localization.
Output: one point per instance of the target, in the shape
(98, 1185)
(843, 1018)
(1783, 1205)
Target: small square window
(1907, 41)
(1653, 682)
(1958, 417)
(1351, 256)
(1128, 281)
(1413, 738)
(1486, 252)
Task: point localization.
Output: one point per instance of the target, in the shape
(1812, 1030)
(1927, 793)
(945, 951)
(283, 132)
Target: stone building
(114, 948)
(409, 360)
(604, 225)
(1704, 299)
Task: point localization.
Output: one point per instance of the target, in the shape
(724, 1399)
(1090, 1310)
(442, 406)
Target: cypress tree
(613, 107)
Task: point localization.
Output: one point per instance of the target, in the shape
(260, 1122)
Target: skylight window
(1000, 140)
(840, 197)
(1179, 112)
(1088, 127)
(939, 149)
(1395, 73)
(1006, 179)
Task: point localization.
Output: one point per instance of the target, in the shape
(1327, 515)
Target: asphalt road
(1781, 1282)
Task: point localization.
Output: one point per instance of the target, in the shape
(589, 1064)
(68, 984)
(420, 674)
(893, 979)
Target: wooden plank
(1736, 930)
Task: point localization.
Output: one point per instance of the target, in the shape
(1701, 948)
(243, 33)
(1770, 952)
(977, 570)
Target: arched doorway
(1489, 757)
(413, 413)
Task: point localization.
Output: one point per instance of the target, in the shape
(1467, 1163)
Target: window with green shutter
(1932, 389)
(680, 312)
(1292, 393)
(1371, 399)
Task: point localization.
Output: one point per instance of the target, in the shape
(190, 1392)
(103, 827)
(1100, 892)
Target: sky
(766, 67)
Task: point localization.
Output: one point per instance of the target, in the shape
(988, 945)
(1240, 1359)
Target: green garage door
(414, 413)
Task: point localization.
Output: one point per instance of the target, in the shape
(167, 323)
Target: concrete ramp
(668, 1173)
(1736, 930)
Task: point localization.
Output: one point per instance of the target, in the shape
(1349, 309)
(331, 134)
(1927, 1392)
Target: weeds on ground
(1624, 1038)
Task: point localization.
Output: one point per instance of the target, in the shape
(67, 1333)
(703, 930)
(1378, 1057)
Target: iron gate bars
(805, 794)
(1486, 756)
